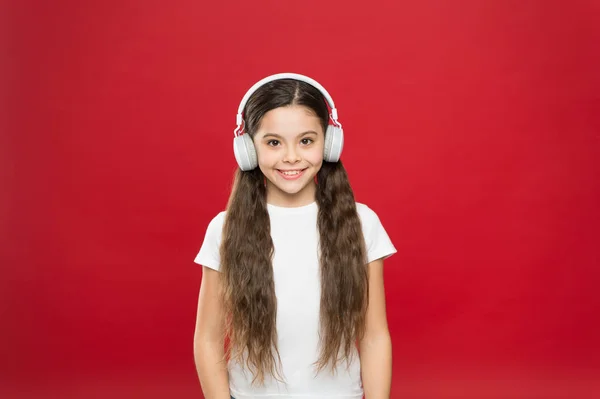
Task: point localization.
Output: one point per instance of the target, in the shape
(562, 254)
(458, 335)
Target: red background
(472, 129)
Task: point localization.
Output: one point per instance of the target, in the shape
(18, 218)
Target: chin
(290, 190)
(293, 187)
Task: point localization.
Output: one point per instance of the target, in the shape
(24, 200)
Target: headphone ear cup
(245, 153)
(334, 143)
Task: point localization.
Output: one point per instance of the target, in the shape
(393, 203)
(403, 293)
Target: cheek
(315, 156)
(265, 156)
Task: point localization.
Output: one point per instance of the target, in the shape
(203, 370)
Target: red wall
(472, 128)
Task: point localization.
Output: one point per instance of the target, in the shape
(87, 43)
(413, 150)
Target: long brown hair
(247, 251)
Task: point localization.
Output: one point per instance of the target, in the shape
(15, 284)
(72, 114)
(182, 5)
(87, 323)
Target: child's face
(289, 146)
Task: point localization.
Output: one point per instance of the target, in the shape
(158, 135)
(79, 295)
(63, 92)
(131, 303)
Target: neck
(281, 198)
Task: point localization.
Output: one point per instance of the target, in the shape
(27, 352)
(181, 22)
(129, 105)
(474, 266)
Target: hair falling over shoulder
(248, 287)
(247, 251)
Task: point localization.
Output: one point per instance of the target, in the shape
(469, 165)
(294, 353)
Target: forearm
(212, 369)
(376, 365)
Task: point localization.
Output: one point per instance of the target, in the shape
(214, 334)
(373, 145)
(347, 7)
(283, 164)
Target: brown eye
(273, 143)
(306, 141)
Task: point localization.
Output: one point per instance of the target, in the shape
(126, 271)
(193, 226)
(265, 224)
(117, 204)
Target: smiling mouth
(291, 172)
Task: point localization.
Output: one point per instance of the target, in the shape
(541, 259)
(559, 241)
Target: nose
(291, 155)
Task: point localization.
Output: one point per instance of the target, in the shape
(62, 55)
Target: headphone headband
(295, 76)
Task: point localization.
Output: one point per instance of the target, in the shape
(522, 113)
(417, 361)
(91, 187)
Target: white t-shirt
(297, 287)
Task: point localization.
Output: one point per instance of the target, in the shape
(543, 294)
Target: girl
(292, 279)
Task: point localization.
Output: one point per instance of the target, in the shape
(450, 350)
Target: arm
(376, 345)
(208, 338)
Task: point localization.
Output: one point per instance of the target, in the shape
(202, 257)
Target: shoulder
(363, 209)
(209, 251)
(215, 227)
(217, 221)
(367, 215)
(378, 242)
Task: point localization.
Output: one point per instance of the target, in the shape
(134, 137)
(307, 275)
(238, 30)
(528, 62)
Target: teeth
(291, 173)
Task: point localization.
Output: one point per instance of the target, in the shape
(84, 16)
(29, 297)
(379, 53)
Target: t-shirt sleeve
(209, 251)
(379, 245)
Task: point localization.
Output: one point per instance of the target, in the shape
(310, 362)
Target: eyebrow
(279, 136)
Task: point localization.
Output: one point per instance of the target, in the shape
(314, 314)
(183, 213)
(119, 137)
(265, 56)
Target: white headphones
(243, 147)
